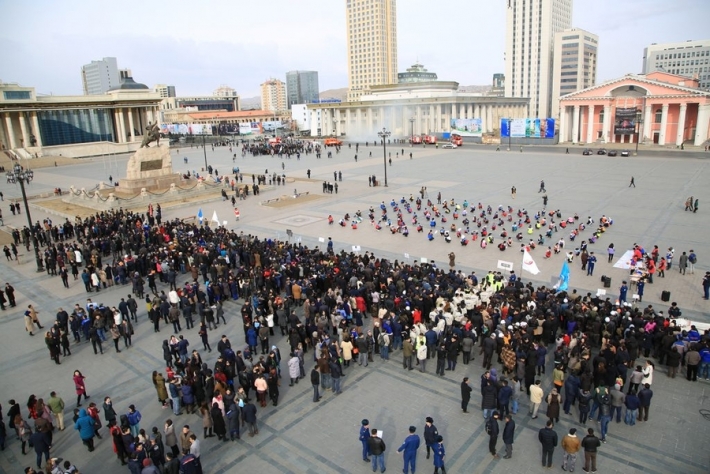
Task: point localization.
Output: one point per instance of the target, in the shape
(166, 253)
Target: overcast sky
(201, 44)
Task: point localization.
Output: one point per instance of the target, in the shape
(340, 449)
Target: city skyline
(197, 52)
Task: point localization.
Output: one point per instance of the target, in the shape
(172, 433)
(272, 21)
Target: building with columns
(412, 109)
(673, 111)
(75, 126)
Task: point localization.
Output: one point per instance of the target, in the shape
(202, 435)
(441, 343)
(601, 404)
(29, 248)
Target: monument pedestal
(150, 168)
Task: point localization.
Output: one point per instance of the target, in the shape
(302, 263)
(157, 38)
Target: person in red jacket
(662, 267)
(651, 266)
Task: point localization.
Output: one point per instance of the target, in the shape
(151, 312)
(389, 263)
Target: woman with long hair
(206, 420)
(80, 387)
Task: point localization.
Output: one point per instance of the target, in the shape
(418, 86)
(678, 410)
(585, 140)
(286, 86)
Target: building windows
(659, 116)
(17, 95)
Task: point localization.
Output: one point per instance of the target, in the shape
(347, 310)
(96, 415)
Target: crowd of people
(345, 308)
(466, 222)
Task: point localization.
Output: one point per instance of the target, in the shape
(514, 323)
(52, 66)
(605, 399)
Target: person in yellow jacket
(570, 445)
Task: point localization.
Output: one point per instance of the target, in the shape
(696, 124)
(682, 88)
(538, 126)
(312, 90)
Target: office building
(688, 58)
(98, 77)
(201, 103)
(372, 44)
(273, 96)
(225, 91)
(574, 64)
(164, 90)
(301, 87)
(530, 33)
(498, 89)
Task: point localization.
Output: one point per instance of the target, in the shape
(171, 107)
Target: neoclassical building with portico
(33, 124)
(413, 108)
(661, 108)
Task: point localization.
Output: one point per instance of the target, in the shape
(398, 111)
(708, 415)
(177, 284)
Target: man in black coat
(441, 354)
(465, 394)
(172, 464)
(430, 435)
(508, 436)
(548, 439)
(315, 381)
(40, 441)
(645, 396)
(493, 430)
(489, 402)
(249, 417)
(489, 347)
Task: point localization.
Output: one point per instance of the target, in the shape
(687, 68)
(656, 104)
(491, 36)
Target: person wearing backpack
(692, 260)
(604, 413)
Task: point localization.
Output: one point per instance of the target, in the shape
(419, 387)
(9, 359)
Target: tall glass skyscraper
(301, 87)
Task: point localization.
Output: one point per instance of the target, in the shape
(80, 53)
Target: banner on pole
(529, 264)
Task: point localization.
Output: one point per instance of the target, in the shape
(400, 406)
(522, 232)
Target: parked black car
(611, 153)
(601, 151)
(587, 151)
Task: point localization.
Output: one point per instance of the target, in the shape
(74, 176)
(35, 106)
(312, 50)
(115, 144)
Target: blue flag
(564, 277)
(199, 215)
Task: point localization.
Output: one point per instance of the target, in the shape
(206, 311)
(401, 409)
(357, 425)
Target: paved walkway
(299, 436)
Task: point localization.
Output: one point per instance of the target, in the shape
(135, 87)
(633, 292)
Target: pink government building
(673, 111)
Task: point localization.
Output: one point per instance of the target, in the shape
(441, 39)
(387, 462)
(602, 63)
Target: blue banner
(564, 277)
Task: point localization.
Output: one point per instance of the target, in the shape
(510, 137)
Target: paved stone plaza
(299, 436)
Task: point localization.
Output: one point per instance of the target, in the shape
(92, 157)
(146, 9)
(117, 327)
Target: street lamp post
(411, 135)
(22, 175)
(639, 121)
(384, 135)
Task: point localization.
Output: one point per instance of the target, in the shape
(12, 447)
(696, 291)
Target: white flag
(215, 218)
(529, 264)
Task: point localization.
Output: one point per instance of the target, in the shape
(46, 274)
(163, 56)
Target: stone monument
(149, 168)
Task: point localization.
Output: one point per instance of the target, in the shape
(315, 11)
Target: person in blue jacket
(409, 449)
(252, 339)
(134, 419)
(85, 425)
(439, 453)
(364, 435)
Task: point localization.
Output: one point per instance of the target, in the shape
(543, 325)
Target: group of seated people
(487, 220)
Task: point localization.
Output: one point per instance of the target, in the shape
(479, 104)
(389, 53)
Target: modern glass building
(302, 87)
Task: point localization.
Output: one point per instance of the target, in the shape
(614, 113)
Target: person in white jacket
(294, 370)
(421, 353)
(536, 395)
(648, 372)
